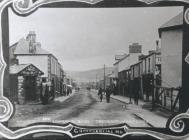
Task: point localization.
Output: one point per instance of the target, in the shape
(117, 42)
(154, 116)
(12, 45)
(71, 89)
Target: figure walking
(108, 92)
(100, 94)
(136, 90)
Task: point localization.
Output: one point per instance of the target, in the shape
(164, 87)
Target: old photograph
(94, 69)
(95, 66)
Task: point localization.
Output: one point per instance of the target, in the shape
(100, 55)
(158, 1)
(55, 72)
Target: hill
(90, 75)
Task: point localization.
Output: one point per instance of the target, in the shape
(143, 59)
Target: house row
(134, 69)
(159, 68)
(30, 64)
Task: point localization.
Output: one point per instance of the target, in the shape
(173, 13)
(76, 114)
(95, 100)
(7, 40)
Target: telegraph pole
(104, 79)
(96, 81)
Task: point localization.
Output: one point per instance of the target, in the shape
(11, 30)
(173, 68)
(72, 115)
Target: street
(82, 108)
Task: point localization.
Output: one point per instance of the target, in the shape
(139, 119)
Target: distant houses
(122, 66)
(154, 77)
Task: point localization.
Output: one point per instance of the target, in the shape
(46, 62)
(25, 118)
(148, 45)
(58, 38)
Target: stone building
(24, 83)
(29, 51)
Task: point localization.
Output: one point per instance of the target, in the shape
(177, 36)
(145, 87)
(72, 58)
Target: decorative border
(176, 126)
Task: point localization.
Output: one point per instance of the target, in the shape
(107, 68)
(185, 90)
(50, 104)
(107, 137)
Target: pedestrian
(52, 89)
(108, 92)
(68, 91)
(136, 90)
(100, 94)
(130, 85)
(42, 90)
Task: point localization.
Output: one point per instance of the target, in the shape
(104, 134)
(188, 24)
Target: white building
(171, 35)
(28, 51)
(124, 63)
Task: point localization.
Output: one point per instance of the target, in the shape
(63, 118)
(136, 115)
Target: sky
(87, 38)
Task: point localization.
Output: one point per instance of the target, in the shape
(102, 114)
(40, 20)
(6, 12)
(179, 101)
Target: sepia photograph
(84, 70)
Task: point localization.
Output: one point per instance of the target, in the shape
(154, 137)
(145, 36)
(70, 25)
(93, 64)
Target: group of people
(107, 92)
(47, 91)
(68, 91)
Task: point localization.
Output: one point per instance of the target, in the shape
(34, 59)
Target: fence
(167, 98)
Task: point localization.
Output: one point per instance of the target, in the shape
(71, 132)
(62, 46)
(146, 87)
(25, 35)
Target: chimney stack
(135, 48)
(31, 38)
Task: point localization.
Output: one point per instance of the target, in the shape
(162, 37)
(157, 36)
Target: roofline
(53, 56)
(13, 44)
(125, 70)
(38, 54)
(136, 64)
(32, 54)
(175, 27)
(26, 65)
(42, 73)
(122, 59)
(150, 55)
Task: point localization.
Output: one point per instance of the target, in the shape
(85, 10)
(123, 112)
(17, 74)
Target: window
(148, 64)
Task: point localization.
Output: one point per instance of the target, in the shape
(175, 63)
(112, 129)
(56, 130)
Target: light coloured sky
(88, 38)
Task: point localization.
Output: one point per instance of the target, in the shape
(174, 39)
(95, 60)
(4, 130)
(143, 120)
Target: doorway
(30, 88)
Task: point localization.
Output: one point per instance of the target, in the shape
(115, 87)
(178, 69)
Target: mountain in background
(90, 75)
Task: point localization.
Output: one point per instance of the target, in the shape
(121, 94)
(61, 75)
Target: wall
(133, 58)
(127, 62)
(40, 61)
(148, 64)
(171, 51)
(116, 70)
(123, 64)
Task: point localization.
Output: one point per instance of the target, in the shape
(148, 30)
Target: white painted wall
(171, 51)
(116, 70)
(133, 58)
(127, 62)
(40, 61)
(53, 65)
(123, 64)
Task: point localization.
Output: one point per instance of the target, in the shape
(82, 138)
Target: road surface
(82, 108)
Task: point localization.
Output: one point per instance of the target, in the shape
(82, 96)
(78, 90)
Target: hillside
(89, 75)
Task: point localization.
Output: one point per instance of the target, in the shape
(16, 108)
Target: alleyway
(83, 108)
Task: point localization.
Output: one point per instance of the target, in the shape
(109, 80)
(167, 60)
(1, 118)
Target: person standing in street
(108, 92)
(67, 91)
(100, 94)
(136, 90)
(52, 89)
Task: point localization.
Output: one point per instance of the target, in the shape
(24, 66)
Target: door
(30, 88)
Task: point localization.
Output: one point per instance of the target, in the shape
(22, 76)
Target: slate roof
(23, 48)
(121, 59)
(175, 21)
(14, 69)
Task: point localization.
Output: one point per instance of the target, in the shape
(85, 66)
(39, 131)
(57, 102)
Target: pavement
(145, 112)
(31, 110)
